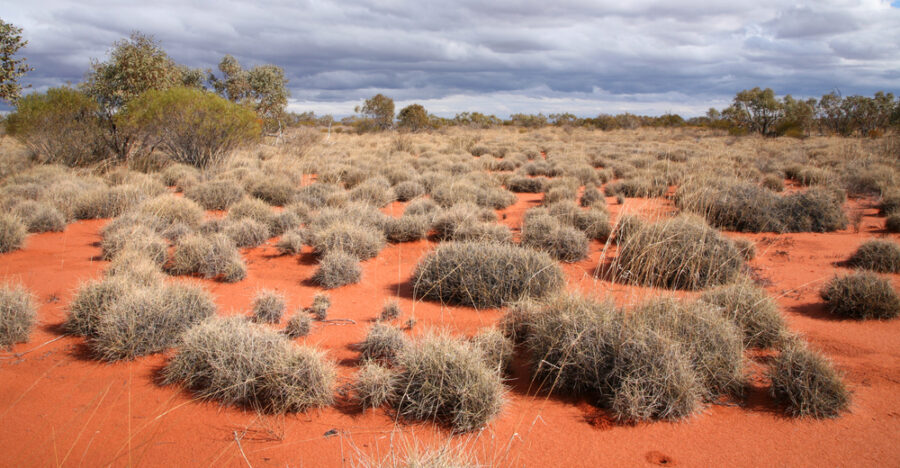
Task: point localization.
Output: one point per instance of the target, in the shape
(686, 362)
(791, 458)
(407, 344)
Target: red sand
(59, 407)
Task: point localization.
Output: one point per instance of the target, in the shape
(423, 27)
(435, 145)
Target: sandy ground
(58, 407)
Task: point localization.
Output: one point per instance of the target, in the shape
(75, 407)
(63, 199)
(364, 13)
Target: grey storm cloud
(498, 56)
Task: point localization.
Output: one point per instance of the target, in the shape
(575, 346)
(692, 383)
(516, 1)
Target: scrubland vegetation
(189, 180)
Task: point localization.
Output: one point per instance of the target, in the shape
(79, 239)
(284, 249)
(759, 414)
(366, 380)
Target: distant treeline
(752, 111)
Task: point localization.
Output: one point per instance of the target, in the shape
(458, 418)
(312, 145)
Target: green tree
(193, 126)
(262, 87)
(756, 110)
(59, 126)
(379, 110)
(798, 119)
(11, 68)
(413, 117)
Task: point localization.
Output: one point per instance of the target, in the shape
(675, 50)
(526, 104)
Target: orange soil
(59, 407)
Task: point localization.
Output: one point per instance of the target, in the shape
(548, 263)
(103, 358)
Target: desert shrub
(406, 228)
(59, 126)
(752, 310)
(241, 363)
(807, 384)
(493, 197)
(382, 343)
(316, 195)
(246, 232)
(12, 232)
(746, 247)
(362, 215)
(481, 232)
(449, 220)
(268, 306)
(107, 202)
(390, 310)
(300, 210)
(93, 301)
(320, 304)
(135, 237)
(148, 321)
(283, 222)
(215, 194)
(408, 190)
(213, 256)
(337, 268)
(681, 253)
(40, 217)
(545, 233)
(642, 186)
(135, 267)
(522, 184)
(558, 194)
(861, 295)
(421, 207)
(180, 176)
(298, 325)
(374, 385)
(712, 342)
(376, 191)
(815, 210)
(274, 190)
(773, 182)
(592, 197)
(892, 223)
(18, 314)
(193, 126)
(496, 349)
(292, 242)
(485, 274)
(173, 210)
(881, 255)
(354, 238)
(444, 379)
(252, 208)
(593, 222)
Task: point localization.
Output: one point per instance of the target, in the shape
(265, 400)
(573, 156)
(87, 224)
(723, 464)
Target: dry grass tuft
(861, 295)
(320, 304)
(12, 232)
(298, 325)
(881, 255)
(337, 268)
(752, 310)
(268, 306)
(390, 310)
(807, 384)
(213, 256)
(241, 363)
(383, 343)
(18, 314)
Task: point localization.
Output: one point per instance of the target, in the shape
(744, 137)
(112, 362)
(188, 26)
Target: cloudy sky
(495, 56)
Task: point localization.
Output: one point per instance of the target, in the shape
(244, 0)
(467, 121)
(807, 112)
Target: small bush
(681, 253)
(496, 349)
(215, 194)
(408, 190)
(861, 295)
(375, 191)
(320, 305)
(135, 267)
(448, 221)
(148, 321)
(337, 268)
(274, 190)
(298, 325)
(351, 237)
(241, 363)
(752, 310)
(93, 301)
(807, 384)
(107, 202)
(40, 217)
(252, 208)
(18, 315)
(246, 232)
(406, 228)
(173, 210)
(592, 197)
(374, 385)
(563, 243)
(443, 379)
(12, 232)
(383, 343)
(268, 306)
(421, 207)
(881, 255)
(390, 311)
(522, 184)
(892, 223)
(138, 238)
(292, 242)
(213, 256)
(481, 232)
(485, 274)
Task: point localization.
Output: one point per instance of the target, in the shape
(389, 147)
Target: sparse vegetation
(807, 384)
(337, 268)
(752, 310)
(298, 325)
(268, 306)
(383, 343)
(18, 314)
(214, 257)
(861, 295)
(881, 255)
(12, 232)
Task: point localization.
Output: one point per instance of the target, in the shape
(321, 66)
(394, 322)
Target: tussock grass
(374, 385)
(495, 347)
(592, 197)
(376, 191)
(421, 207)
(480, 231)
(680, 253)
(320, 304)
(93, 301)
(268, 306)
(444, 379)
(274, 190)
(215, 194)
(292, 242)
(449, 220)
(148, 320)
(40, 217)
(136, 237)
(213, 257)
(593, 222)
(355, 238)
(12, 232)
(299, 325)
(241, 363)
(408, 190)
(173, 210)
(807, 384)
(252, 208)
(752, 310)
(881, 255)
(390, 310)
(545, 233)
(485, 274)
(892, 223)
(861, 295)
(18, 314)
(246, 232)
(382, 343)
(135, 267)
(337, 268)
(107, 202)
(406, 228)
